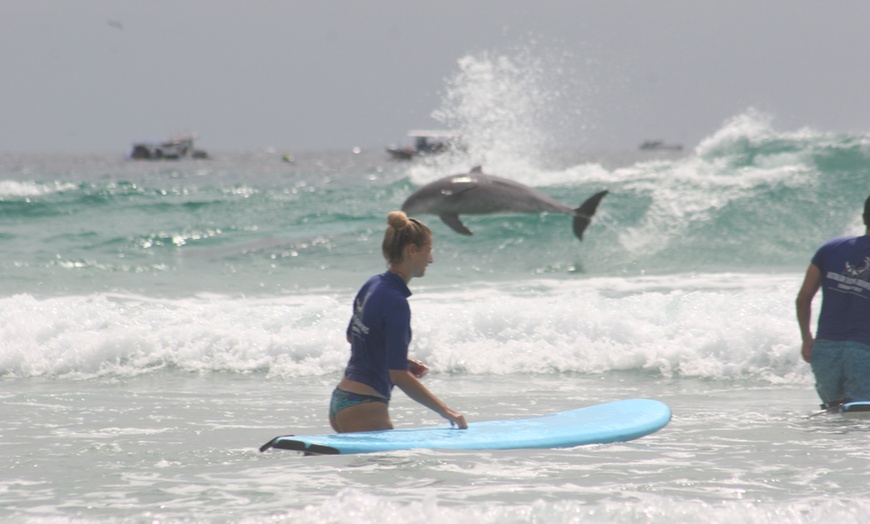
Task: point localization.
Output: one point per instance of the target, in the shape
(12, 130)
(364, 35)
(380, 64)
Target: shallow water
(182, 447)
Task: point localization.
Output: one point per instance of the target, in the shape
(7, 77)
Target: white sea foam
(714, 326)
(636, 507)
(15, 189)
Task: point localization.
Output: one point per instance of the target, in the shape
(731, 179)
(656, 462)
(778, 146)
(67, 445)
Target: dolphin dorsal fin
(476, 169)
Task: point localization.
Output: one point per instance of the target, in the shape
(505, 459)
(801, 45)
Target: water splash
(517, 105)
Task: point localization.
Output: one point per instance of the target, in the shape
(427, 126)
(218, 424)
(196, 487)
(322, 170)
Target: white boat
(172, 149)
(426, 142)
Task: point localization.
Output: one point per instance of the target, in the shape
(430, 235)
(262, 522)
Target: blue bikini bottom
(342, 399)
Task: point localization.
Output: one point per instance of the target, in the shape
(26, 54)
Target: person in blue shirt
(380, 332)
(840, 351)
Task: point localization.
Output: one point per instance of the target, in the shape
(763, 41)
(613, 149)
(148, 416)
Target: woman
(380, 332)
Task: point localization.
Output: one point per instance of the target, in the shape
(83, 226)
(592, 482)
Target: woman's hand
(417, 368)
(455, 418)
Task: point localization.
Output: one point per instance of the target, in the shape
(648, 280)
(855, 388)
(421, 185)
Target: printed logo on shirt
(358, 329)
(858, 272)
(853, 279)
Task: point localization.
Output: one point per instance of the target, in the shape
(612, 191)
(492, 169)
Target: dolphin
(476, 194)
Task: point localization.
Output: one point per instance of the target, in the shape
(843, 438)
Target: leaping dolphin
(476, 194)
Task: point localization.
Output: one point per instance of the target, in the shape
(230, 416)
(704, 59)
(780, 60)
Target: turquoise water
(746, 199)
(160, 321)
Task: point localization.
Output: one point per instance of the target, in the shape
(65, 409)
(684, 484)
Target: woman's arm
(415, 389)
(804, 307)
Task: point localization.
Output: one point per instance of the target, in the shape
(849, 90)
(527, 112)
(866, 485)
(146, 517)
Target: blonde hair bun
(398, 220)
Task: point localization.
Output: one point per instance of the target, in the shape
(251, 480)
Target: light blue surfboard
(846, 408)
(611, 422)
(856, 409)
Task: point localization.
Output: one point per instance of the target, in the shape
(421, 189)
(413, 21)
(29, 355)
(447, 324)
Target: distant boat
(172, 149)
(660, 145)
(426, 143)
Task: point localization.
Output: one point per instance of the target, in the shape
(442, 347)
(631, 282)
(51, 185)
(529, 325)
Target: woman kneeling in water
(380, 332)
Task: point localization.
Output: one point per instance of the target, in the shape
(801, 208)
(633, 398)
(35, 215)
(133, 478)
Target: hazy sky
(94, 75)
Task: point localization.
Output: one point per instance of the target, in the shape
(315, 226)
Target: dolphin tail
(583, 214)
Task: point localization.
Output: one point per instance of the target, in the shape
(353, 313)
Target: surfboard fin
(835, 406)
(583, 214)
(271, 443)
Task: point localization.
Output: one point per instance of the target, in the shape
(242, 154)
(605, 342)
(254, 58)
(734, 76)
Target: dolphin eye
(446, 192)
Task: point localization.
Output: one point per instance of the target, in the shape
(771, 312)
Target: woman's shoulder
(387, 287)
(394, 283)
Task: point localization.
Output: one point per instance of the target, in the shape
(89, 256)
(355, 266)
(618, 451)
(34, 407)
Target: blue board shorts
(342, 399)
(842, 370)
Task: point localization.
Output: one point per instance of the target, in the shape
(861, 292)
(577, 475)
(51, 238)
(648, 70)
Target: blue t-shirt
(845, 268)
(380, 332)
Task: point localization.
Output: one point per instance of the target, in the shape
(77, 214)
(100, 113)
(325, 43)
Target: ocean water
(160, 321)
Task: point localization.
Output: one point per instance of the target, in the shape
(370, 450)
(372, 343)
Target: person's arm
(804, 307)
(415, 389)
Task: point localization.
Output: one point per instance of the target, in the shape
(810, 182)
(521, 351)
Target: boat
(426, 142)
(172, 149)
(659, 145)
